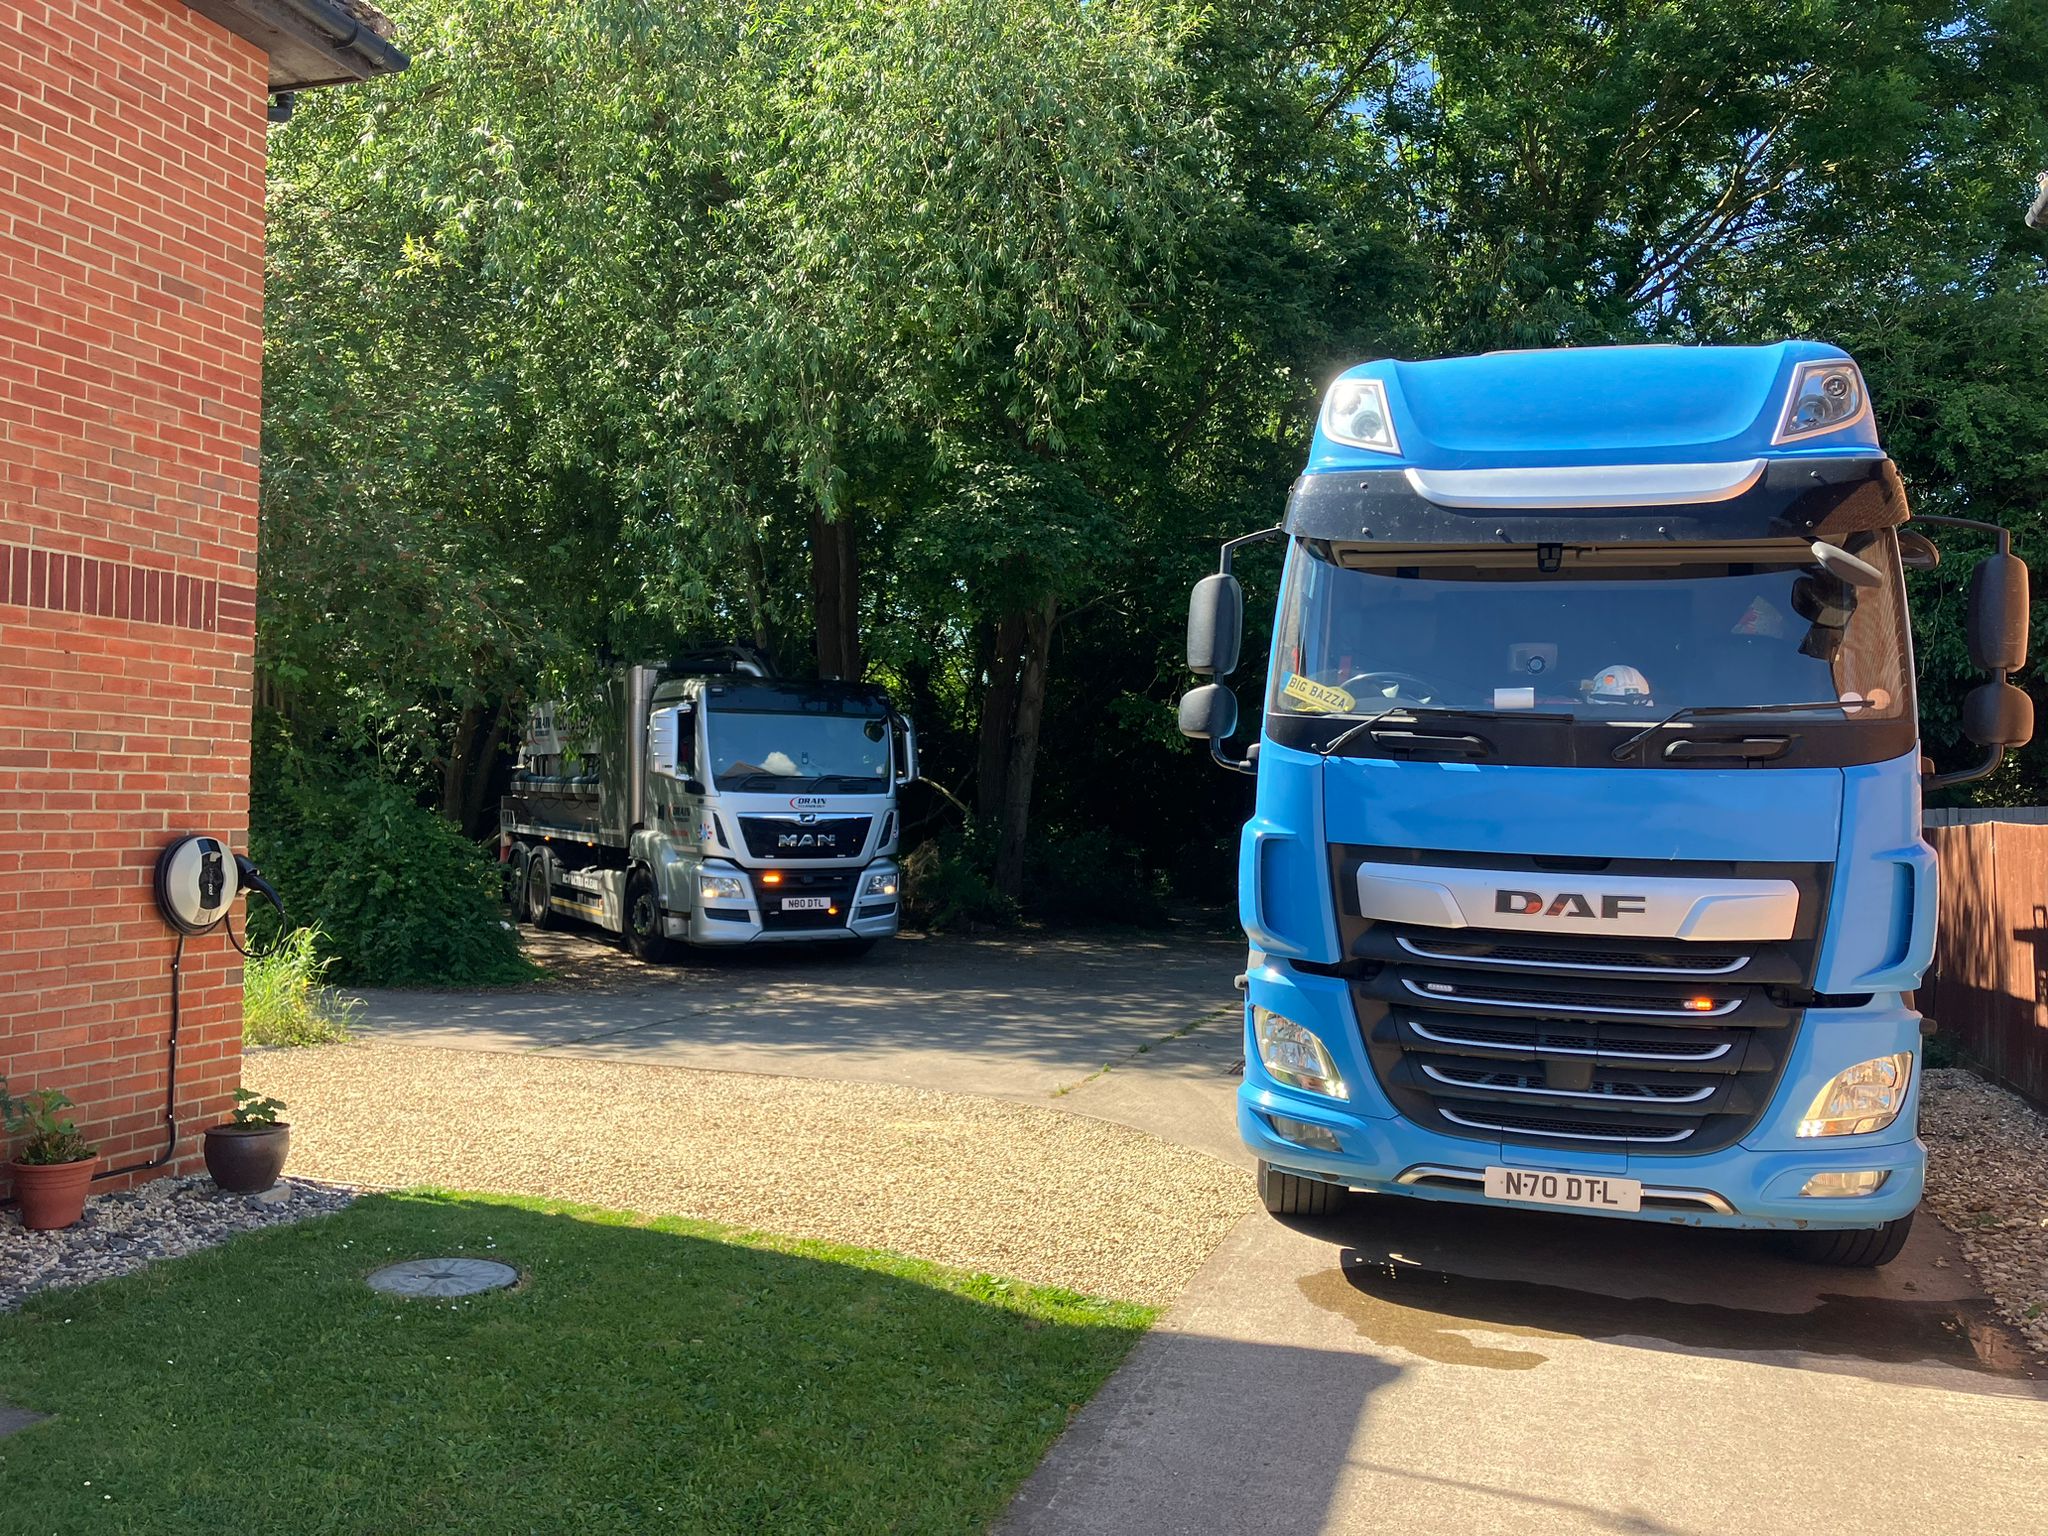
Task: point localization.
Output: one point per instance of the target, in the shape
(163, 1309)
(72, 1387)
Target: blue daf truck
(1586, 869)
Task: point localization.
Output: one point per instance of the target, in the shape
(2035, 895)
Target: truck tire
(643, 921)
(513, 873)
(1289, 1194)
(539, 879)
(1864, 1249)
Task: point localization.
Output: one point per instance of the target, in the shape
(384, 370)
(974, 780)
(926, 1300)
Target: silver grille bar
(1629, 970)
(1711, 1053)
(1523, 1130)
(1566, 1008)
(1572, 1093)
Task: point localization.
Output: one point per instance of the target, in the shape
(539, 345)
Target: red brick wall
(131, 290)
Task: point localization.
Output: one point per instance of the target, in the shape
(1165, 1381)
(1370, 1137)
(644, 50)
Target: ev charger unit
(197, 880)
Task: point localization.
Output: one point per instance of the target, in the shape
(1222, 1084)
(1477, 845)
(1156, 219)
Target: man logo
(1567, 904)
(806, 840)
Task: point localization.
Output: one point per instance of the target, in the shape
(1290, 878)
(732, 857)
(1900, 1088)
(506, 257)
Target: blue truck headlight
(1295, 1056)
(1355, 412)
(1823, 396)
(1867, 1097)
(721, 887)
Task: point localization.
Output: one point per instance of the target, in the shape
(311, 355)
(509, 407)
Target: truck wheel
(1852, 1250)
(539, 877)
(643, 922)
(514, 876)
(1289, 1194)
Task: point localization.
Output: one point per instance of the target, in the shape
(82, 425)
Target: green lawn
(660, 1375)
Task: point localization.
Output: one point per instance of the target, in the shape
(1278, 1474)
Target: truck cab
(1586, 868)
(714, 808)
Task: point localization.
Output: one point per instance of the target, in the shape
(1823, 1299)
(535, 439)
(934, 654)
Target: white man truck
(702, 802)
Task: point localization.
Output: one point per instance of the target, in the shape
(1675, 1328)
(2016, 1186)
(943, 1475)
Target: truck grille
(835, 885)
(785, 837)
(1642, 1045)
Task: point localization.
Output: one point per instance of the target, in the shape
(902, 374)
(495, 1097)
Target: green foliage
(49, 1135)
(252, 1109)
(285, 999)
(948, 888)
(1070, 878)
(399, 896)
(575, 327)
(1090, 878)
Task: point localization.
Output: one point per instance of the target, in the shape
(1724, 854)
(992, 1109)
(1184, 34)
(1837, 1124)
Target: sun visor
(1750, 500)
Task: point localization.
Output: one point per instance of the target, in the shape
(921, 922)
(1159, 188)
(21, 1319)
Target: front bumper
(1753, 1184)
(729, 923)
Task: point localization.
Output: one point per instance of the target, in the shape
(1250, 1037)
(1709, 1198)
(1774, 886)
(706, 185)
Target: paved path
(1410, 1368)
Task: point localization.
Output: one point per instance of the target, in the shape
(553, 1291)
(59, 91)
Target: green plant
(396, 894)
(948, 886)
(52, 1136)
(285, 999)
(1090, 877)
(252, 1109)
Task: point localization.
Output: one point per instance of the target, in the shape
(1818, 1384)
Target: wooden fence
(1988, 985)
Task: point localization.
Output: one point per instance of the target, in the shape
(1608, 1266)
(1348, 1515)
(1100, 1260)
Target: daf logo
(1566, 904)
(806, 840)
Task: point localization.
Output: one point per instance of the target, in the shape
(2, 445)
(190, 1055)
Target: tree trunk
(477, 817)
(1024, 747)
(998, 715)
(835, 594)
(455, 764)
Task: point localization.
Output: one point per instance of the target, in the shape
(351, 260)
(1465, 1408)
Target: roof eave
(310, 43)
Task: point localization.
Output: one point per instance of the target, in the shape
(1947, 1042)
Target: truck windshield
(775, 749)
(1602, 635)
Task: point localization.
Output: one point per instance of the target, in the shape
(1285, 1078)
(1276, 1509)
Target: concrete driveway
(1409, 1367)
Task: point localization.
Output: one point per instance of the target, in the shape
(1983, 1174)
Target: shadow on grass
(666, 1375)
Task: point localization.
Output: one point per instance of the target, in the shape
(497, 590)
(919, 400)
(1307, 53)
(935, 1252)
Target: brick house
(131, 335)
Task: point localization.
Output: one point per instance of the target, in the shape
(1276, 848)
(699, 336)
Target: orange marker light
(771, 878)
(1700, 1004)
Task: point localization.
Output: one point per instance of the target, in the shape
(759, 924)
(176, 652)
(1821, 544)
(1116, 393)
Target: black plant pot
(246, 1159)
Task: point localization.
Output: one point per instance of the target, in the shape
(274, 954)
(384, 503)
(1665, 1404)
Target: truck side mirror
(1208, 713)
(906, 749)
(1996, 615)
(665, 741)
(1998, 715)
(1215, 628)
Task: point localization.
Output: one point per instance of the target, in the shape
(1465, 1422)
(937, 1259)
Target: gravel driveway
(1987, 1179)
(1011, 1189)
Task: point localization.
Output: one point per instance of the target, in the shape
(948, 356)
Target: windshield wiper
(1714, 711)
(1418, 711)
(775, 781)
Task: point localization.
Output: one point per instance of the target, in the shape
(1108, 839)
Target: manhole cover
(442, 1277)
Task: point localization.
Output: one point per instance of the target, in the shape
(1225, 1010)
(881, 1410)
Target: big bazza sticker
(1317, 696)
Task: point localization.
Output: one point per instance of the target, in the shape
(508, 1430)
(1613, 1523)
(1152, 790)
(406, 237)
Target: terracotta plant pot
(52, 1195)
(246, 1159)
